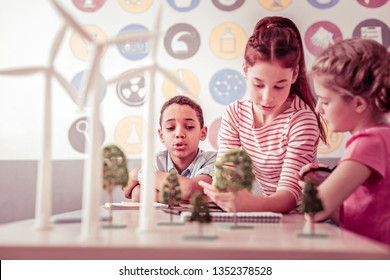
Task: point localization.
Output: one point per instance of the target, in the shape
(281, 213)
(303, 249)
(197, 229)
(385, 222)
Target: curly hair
(183, 100)
(357, 67)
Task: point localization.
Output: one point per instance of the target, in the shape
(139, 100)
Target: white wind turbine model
(146, 222)
(93, 164)
(43, 202)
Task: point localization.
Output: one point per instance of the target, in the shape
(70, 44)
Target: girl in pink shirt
(352, 81)
(277, 124)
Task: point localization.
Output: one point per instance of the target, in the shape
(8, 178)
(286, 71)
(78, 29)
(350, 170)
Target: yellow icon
(275, 5)
(128, 134)
(228, 40)
(82, 48)
(135, 6)
(188, 78)
(334, 140)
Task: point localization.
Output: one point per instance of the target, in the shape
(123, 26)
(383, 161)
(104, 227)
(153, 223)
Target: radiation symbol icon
(132, 91)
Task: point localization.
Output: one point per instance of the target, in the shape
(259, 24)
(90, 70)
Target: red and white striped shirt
(278, 150)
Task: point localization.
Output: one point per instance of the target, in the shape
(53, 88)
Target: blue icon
(134, 48)
(227, 85)
(79, 84)
(183, 5)
(323, 4)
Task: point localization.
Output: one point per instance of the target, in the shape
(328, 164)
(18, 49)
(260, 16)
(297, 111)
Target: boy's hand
(132, 183)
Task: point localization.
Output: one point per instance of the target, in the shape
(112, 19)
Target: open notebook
(129, 205)
(243, 217)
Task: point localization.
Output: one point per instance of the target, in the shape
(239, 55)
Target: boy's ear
(161, 136)
(360, 104)
(203, 133)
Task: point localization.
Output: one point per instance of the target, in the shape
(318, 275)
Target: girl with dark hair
(277, 124)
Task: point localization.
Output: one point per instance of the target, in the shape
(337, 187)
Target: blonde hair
(357, 67)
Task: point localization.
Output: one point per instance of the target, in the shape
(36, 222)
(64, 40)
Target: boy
(181, 129)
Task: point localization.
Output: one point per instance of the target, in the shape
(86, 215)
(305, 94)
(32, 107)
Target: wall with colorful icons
(201, 43)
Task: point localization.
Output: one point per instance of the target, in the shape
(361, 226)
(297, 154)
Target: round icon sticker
(227, 85)
(135, 6)
(334, 140)
(213, 132)
(228, 5)
(183, 5)
(188, 78)
(320, 36)
(323, 4)
(373, 29)
(228, 40)
(128, 134)
(132, 90)
(134, 48)
(182, 41)
(78, 82)
(88, 6)
(275, 5)
(78, 134)
(82, 48)
(372, 3)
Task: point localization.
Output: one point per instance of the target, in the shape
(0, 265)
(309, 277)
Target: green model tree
(234, 173)
(170, 191)
(200, 211)
(115, 171)
(311, 203)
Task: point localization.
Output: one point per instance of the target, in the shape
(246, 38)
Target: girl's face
(340, 115)
(269, 86)
(180, 132)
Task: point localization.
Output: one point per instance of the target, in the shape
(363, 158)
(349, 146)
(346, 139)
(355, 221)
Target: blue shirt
(202, 164)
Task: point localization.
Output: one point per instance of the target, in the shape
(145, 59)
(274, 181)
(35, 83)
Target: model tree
(311, 203)
(234, 173)
(115, 172)
(170, 191)
(200, 211)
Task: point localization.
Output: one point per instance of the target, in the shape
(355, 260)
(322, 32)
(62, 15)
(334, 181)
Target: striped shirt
(279, 149)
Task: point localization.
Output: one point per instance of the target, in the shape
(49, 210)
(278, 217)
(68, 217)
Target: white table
(269, 241)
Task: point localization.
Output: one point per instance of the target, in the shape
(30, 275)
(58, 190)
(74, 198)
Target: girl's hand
(309, 166)
(226, 200)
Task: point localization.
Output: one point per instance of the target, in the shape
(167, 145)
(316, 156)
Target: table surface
(270, 241)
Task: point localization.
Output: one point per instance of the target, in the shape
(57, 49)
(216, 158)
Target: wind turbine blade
(67, 87)
(57, 44)
(129, 75)
(23, 71)
(91, 78)
(68, 18)
(156, 29)
(175, 80)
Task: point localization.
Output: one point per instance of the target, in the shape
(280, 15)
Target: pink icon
(372, 3)
(88, 5)
(320, 36)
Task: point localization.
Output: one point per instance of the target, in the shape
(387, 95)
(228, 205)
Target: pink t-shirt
(367, 210)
